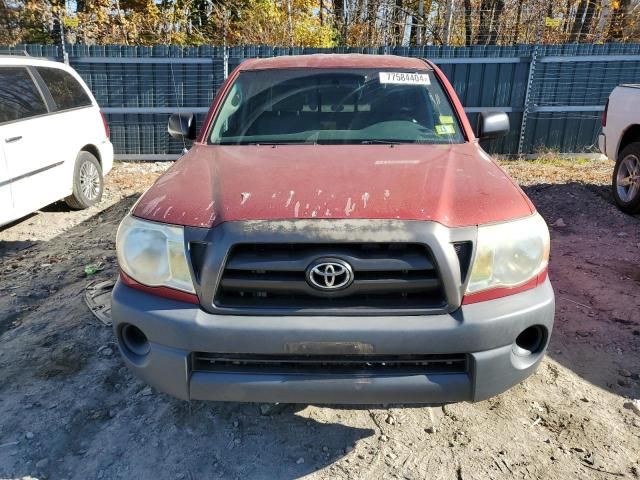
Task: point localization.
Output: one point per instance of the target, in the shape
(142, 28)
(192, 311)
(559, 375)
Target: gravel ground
(70, 409)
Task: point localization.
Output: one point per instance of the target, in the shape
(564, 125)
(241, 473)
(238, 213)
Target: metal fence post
(532, 70)
(225, 61)
(527, 99)
(65, 55)
(225, 47)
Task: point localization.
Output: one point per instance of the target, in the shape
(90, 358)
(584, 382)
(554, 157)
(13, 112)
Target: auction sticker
(405, 78)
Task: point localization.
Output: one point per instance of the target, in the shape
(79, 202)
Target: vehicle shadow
(7, 247)
(238, 440)
(35, 273)
(595, 272)
(59, 206)
(32, 221)
(63, 381)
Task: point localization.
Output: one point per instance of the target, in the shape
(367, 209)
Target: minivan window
(65, 90)
(19, 97)
(335, 106)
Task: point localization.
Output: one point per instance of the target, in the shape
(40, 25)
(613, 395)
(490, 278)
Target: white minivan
(54, 140)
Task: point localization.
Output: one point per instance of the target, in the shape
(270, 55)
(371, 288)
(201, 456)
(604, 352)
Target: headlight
(153, 254)
(509, 254)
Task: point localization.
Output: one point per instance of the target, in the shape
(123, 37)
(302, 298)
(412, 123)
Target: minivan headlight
(509, 254)
(153, 254)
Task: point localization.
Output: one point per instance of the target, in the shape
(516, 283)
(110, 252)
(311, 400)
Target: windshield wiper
(270, 144)
(382, 142)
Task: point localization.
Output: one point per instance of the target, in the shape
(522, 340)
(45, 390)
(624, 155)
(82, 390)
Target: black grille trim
(463, 252)
(388, 278)
(330, 364)
(197, 253)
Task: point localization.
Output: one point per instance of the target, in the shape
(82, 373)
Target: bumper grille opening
(387, 277)
(331, 364)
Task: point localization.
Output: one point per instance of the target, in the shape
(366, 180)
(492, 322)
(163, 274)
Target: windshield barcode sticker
(405, 78)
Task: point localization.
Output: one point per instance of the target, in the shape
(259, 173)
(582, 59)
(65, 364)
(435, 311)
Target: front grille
(330, 364)
(387, 277)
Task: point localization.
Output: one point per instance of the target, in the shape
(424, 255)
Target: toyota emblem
(329, 274)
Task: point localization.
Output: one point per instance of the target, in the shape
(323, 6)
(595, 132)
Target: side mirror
(182, 125)
(492, 125)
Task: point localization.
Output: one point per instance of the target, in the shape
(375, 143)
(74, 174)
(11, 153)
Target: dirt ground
(70, 409)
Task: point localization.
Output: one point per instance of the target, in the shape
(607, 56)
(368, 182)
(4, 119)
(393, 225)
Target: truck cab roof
(323, 60)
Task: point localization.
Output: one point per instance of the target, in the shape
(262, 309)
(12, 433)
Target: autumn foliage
(318, 23)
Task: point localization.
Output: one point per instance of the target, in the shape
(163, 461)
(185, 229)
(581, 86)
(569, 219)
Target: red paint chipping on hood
(456, 185)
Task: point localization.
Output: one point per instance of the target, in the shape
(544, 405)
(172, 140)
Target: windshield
(335, 106)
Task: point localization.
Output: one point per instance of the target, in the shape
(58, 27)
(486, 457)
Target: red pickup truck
(335, 235)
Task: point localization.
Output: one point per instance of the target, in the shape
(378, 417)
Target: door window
(64, 88)
(19, 97)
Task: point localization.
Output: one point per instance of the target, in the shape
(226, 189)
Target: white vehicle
(54, 141)
(620, 141)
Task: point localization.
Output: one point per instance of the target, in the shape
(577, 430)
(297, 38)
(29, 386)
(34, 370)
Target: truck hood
(455, 185)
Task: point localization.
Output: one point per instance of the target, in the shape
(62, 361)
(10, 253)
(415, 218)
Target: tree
(317, 23)
(516, 32)
(468, 26)
(578, 21)
(498, 8)
(339, 18)
(618, 20)
(9, 23)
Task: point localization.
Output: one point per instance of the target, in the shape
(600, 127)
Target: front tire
(88, 182)
(626, 179)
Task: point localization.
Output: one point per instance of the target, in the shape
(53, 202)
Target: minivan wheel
(88, 182)
(626, 179)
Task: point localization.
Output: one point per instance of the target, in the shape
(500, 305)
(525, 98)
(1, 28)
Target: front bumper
(485, 331)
